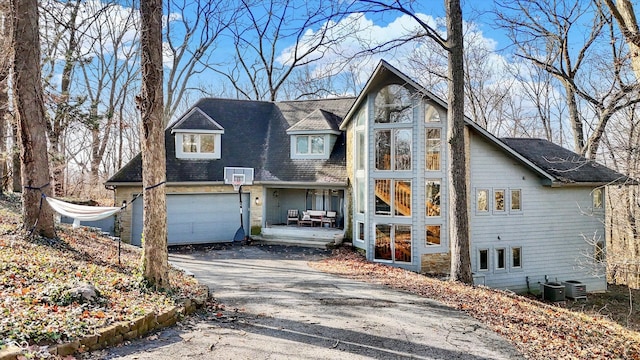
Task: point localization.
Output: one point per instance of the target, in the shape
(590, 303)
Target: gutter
(113, 185)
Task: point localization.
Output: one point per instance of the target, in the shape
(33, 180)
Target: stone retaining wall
(117, 333)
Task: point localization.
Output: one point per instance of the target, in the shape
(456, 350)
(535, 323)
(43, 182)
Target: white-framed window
(482, 201)
(433, 237)
(516, 257)
(432, 192)
(310, 144)
(515, 204)
(499, 201)
(393, 149)
(360, 228)
(483, 259)
(598, 198)
(501, 258)
(393, 197)
(599, 252)
(431, 114)
(197, 146)
(393, 243)
(433, 140)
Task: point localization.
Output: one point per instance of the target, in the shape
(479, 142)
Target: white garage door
(197, 218)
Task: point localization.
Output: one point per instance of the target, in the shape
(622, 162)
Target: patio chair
(292, 216)
(330, 219)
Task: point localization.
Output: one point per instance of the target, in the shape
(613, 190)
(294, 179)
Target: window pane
(500, 259)
(431, 114)
(403, 149)
(189, 143)
(360, 194)
(317, 144)
(360, 150)
(402, 198)
(515, 257)
(402, 243)
(383, 197)
(383, 150)
(302, 144)
(383, 242)
(484, 259)
(360, 117)
(207, 143)
(433, 149)
(515, 200)
(598, 196)
(433, 235)
(361, 231)
(482, 199)
(498, 200)
(599, 254)
(433, 198)
(393, 105)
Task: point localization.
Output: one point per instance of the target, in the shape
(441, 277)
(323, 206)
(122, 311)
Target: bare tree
(155, 256)
(259, 69)
(457, 178)
(541, 32)
(33, 128)
(190, 36)
(109, 73)
(65, 28)
(6, 60)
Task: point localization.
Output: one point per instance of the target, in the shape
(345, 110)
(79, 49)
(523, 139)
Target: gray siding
(550, 228)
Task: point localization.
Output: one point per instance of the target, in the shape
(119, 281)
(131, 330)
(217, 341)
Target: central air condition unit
(552, 291)
(575, 289)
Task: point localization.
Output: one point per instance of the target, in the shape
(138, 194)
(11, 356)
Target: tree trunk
(458, 203)
(16, 167)
(625, 16)
(155, 256)
(6, 60)
(32, 122)
(574, 118)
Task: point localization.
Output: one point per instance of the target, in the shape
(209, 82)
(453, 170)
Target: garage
(197, 218)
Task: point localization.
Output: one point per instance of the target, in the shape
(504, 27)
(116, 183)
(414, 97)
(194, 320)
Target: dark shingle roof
(563, 164)
(196, 119)
(254, 136)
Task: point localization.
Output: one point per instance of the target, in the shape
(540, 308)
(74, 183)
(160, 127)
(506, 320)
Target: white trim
(180, 154)
(186, 116)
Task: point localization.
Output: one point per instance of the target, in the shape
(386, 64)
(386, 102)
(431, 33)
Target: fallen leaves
(538, 330)
(35, 276)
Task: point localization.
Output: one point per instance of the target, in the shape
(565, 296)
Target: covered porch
(303, 216)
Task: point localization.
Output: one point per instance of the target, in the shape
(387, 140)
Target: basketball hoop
(237, 181)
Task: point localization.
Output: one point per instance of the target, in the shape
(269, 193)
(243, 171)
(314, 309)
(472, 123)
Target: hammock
(81, 212)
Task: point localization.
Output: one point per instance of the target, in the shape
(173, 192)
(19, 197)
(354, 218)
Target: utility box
(552, 291)
(575, 289)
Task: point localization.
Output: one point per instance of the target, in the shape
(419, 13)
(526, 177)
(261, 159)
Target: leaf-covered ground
(36, 307)
(538, 330)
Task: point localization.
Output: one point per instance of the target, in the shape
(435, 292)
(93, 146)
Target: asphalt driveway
(277, 307)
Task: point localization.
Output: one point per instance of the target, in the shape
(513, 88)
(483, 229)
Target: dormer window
(310, 144)
(197, 146)
(198, 143)
(314, 136)
(197, 136)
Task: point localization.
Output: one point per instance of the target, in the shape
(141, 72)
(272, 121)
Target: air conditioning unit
(575, 289)
(552, 291)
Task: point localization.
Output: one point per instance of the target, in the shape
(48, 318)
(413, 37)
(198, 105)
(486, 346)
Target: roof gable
(317, 121)
(196, 119)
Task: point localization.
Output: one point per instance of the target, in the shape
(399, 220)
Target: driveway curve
(277, 307)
